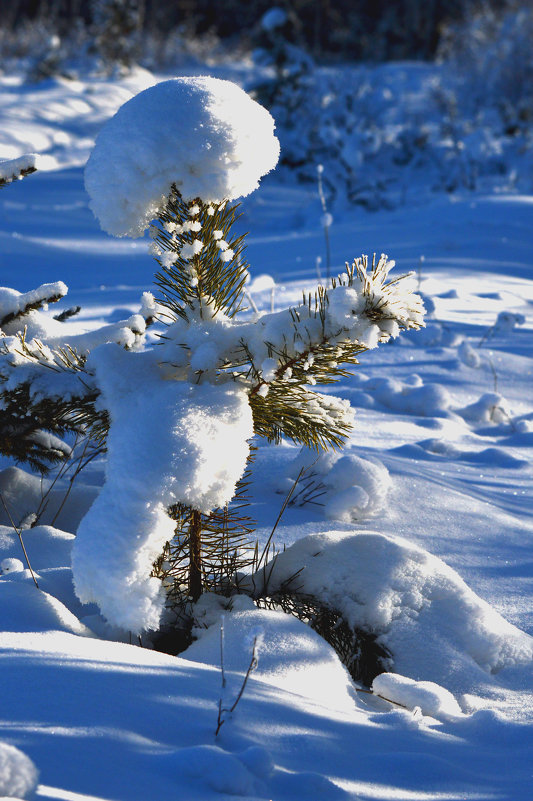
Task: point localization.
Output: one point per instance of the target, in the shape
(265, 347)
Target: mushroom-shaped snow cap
(203, 134)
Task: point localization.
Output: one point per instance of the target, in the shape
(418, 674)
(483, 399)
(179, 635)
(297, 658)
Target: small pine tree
(178, 417)
(116, 27)
(287, 61)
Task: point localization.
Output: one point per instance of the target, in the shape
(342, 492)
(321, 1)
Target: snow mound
(412, 396)
(11, 566)
(491, 407)
(24, 607)
(18, 774)
(429, 697)
(213, 769)
(290, 655)
(169, 442)
(46, 546)
(468, 355)
(203, 134)
(434, 625)
(350, 487)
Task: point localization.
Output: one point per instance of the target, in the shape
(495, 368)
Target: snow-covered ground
(435, 484)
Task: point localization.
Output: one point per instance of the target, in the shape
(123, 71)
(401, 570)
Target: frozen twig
(222, 711)
(19, 534)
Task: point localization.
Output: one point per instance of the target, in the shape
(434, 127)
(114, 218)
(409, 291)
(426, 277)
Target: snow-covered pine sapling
(179, 153)
(116, 28)
(180, 414)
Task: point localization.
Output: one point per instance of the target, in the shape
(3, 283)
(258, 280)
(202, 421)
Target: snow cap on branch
(14, 169)
(203, 134)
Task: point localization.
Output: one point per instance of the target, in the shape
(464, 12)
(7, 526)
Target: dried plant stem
(280, 515)
(19, 534)
(222, 710)
(383, 698)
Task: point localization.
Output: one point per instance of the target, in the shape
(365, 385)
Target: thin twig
(19, 533)
(284, 506)
(222, 651)
(494, 374)
(251, 667)
(369, 692)
(221, 710)
(77, 471)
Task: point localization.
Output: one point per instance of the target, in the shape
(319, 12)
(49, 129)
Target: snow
(273, 18)
(349, 487)
(451, 544)
(13, 303)
(169, 442)
(386, 586)
(290, 655)
(12, 169)
(18, 774)
(203, 134)
(24, 606)
(26, 495)
(11, 566)
(427, 696)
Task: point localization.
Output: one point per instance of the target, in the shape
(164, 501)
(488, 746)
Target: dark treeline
(354, 29)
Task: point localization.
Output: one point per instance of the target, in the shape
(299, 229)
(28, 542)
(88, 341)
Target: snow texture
(18, 774)
(205, 135)
(406, 596)
(169, 442)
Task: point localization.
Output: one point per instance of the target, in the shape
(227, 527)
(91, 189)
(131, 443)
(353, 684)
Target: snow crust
(169, 442)
(203, 134)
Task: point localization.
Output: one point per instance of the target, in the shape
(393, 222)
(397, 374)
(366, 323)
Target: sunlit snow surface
(447, 413)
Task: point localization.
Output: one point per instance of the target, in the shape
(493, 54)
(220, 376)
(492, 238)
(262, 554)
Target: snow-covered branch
(14, 169)
(16, 305)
